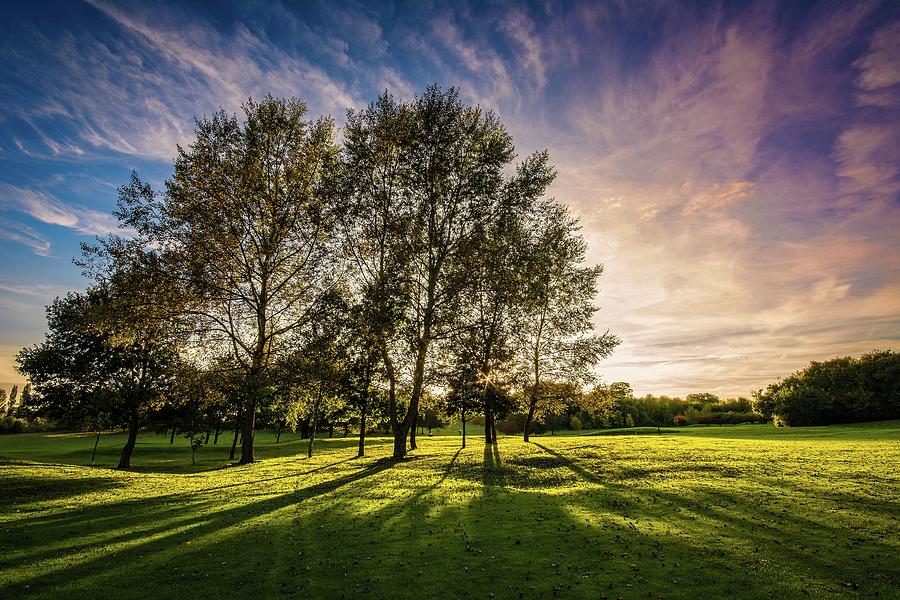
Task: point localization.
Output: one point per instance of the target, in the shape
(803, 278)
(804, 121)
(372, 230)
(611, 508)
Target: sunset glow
(736, 167)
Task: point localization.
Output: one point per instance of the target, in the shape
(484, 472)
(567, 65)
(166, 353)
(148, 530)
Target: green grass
(708, 512)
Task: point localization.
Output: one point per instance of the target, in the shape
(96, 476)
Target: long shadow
(326, 487)
(572, 465)
(20, 491)
(492, 469)
(574, 543)
(150, 526)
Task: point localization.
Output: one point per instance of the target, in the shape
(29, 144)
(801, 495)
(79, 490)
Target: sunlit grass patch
(678, 515)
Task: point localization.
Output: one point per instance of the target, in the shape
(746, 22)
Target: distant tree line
(14, 411)
(404, 273)
(840, 390)
(615, 406)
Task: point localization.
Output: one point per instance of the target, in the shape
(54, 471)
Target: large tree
(100, 361)
(246, 226)
(374, 174)
(432, 172)
(487, 311)
(555, 330)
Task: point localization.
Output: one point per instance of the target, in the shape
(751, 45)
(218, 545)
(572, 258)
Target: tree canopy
(333, 279)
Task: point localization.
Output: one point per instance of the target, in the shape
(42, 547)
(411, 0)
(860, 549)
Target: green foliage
(840, 390)
(556, 340)
(195, 439)
(701, 400)
(575, 423)
(11, 424)
(90, 365)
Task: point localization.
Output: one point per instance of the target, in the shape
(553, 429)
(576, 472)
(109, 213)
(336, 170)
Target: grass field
(701, 512)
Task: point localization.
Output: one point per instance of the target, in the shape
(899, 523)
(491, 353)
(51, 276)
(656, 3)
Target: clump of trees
(840, 390)
(288, 278)
(615, 405)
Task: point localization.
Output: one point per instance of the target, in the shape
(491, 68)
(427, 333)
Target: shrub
(575, 423)
(680, 420)
(841, 390)
(10, 424)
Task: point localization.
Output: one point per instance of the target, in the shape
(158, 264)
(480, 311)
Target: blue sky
(735, 165)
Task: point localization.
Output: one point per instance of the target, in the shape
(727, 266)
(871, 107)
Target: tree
(246, 227)
(4, 402)
(556, 342)
(195, 439)
(100, 360)
(486, 312)
(374, 174)
(701, 400)
(840, 390)
(13, 396)
(24, 400)
(434, 170)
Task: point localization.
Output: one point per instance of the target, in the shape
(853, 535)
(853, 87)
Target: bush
(575, 423)
(680, 420)
(841, 390)
(12, 425)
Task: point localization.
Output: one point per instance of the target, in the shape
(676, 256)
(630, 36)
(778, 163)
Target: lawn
(699, 512)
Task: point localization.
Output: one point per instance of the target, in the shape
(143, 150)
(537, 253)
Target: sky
(735, 166)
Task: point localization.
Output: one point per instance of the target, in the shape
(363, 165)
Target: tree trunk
(412, 431)
(125, 459)
(346, 429)
(536, 357)
(218, 431)
(493, 429)
(361, 451)
(529, 418)
(247, 434)
(234, 441)
(412, 412)
(463, 417)
(304, 428)
(312, 434)
(315, 421)
(94, 453)
(331, 430)
(399, 429)
(172, 437)
(488, 426)
(278, 435)
(362, 433)
(208, 433)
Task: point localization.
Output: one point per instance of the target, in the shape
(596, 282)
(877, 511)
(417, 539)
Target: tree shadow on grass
(111, 536)
(493, 470)
(20, 490)
(428, 528)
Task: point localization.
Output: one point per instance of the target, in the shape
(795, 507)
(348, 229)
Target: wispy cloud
(718, 242)
(879, 68)
(137, 90)
(25, 235)
(48, 209)
(735, 168)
